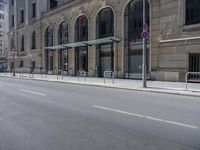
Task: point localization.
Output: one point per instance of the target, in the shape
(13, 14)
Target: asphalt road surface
(37, 115)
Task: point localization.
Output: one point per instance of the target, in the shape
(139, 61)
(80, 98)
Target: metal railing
(60, 72)
(43, 73)
(109, 75)
(82, 74)
(195, 76)
(21, 72)
(31, 73)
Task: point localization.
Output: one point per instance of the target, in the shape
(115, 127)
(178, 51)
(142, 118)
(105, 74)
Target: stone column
(38, 9)
(118, 47)
(71, 61)
(15, 15)
(27, 10)
(92, 49)
(71, 52)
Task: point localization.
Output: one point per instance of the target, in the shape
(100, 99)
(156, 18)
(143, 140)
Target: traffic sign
(145, 35)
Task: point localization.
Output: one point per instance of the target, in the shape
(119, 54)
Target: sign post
(13, 51)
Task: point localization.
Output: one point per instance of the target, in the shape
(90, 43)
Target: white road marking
(148, 117)
(171, 122)
(32, 92)
(119, 111)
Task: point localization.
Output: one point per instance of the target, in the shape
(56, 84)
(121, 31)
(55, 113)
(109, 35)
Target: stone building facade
(3, 33)
(173, 47)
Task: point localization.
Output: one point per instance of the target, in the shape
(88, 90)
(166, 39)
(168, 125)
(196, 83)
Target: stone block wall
(168, 49)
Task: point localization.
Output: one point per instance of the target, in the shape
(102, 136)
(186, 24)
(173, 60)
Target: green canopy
(2, 47)
(85, 43)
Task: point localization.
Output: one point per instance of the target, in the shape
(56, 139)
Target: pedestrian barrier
(59, 72)
(5, 71)
(65, 73)
(31, 73)
(43, 73)
(192, 77)
(109, 75)
(21, 72)
(82, 74)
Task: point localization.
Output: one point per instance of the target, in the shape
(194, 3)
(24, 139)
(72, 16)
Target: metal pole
(63, 62)
(117, 62)
(186, 80)
(13, 64)
(144, 47)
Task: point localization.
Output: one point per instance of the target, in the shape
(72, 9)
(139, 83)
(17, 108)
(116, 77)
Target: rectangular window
(2, 52)
(33, 10)
(32, 65)
(12, 44)
(11, 65)
(2, 24)
(2, 34)
(53, 4)
(2, 43)
(13, 20)
(22, 16)
(22, 43)
(21, 64)
(194, 62)
(3, 1)
(1, 16)
(33, 40)
(192, 12)
(12, 2)
(1, 7)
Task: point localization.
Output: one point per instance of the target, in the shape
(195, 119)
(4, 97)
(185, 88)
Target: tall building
(3, 33)
(105, 35)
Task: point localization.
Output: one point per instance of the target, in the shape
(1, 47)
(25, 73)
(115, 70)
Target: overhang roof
(85, 43)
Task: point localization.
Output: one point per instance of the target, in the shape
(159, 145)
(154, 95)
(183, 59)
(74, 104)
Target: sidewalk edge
(148, 89)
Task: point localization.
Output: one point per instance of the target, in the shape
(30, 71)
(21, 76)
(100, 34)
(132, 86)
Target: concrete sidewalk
(153, 86)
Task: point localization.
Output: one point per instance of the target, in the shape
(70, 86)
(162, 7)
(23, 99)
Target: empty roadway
(37, 115)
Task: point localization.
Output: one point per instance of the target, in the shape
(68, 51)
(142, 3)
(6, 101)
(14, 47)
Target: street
(37, 115)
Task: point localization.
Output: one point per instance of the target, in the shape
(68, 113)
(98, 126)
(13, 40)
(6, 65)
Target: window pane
(192, 12)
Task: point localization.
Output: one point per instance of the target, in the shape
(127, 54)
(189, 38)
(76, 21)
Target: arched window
(22, 43)
(105, 21)
(63, 33)
(104, 29)
(49, 53)
(33, 40)
(81, 34)
(192, 12)
(134, 20)
(63, 39)
(133, 27)
(49, 36)
(82, 29)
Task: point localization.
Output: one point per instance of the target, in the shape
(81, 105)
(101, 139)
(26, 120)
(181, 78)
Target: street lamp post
(13, 64)
(13, 50)
(144, 74)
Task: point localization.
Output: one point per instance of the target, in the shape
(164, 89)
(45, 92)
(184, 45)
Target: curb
(148, 89)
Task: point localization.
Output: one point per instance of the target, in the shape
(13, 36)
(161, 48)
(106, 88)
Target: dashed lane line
(32, 92)
(148, 117)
